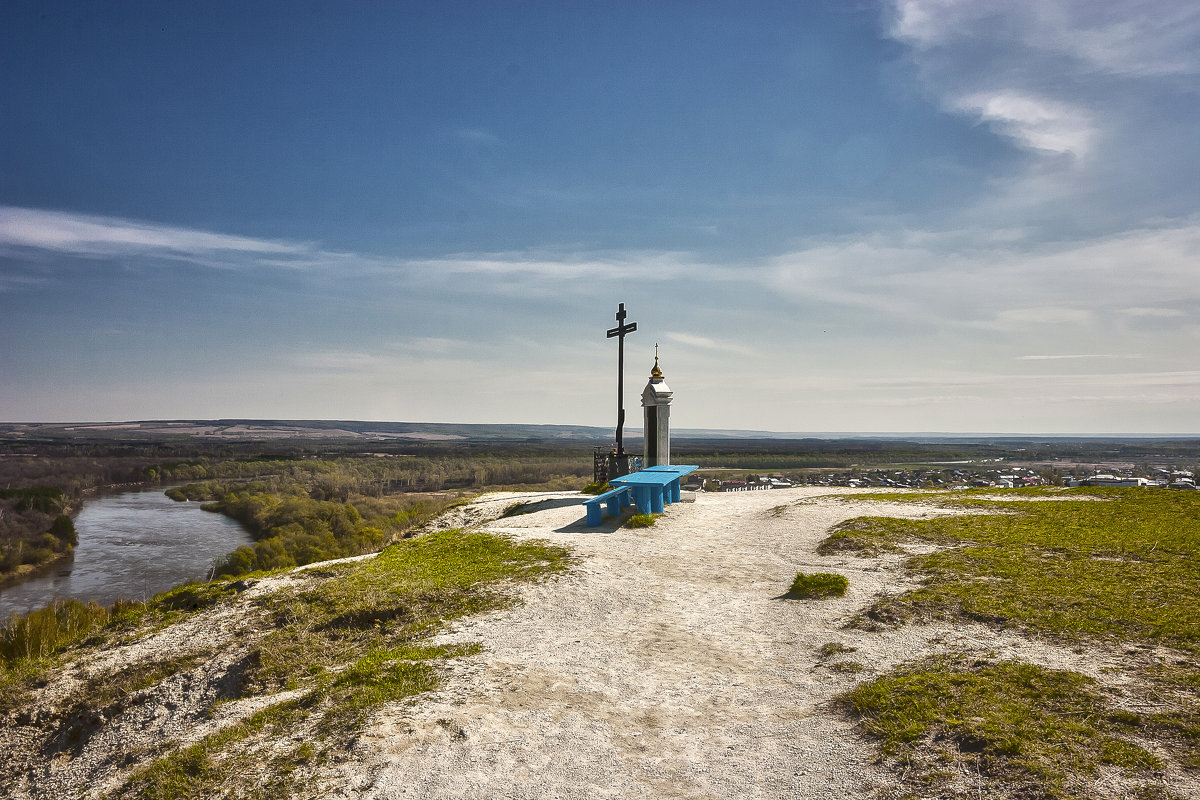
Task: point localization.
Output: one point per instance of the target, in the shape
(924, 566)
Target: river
(131, 545)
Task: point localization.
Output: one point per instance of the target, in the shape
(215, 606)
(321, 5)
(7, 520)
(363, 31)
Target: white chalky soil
(666, 665)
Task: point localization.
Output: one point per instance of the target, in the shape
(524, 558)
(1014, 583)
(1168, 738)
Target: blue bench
(655, 487)
(617, 500)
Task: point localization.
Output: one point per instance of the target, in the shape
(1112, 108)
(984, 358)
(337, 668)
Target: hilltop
(663, 662)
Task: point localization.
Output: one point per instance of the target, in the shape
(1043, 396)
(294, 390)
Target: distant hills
(350, 430)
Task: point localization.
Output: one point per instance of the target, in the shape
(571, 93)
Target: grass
(1025, 730)
(348, 642)
(40, 633)
(1125, 568)
(1086, 568)
(641, 520)
(818, 585)
(835, 648)
(31, 644)
(199, 770)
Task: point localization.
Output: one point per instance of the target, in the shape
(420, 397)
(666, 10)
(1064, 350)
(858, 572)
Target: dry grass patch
(1123, 572)
(1026, 731)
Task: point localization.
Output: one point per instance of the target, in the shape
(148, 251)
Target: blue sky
(919, 215)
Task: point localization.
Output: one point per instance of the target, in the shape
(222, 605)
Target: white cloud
(708, 343)
(1043, 315)
(477, 137)
(23, 230)
(1071, 357)
(1118, 37)
(1033, 122)
(932, 279)
(1151, 312)
(650, 266)
(1061, 77)
(337, 361)
(86, 235)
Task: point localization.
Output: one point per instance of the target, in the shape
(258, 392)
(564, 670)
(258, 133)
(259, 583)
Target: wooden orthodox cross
(620, 332)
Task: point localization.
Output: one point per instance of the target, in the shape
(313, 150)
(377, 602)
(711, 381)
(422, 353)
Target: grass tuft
(818, 585)
(835, 648)
(641, 521)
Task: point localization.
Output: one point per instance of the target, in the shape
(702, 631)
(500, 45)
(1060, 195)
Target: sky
(906, 215)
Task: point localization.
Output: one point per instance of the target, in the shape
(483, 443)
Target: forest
(302, 501)
(315, 493)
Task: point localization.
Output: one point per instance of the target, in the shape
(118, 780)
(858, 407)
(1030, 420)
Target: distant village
(1009, 477)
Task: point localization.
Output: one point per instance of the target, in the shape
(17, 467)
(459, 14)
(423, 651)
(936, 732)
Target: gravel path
(667, 665)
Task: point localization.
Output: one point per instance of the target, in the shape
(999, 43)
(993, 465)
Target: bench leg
(641, 496)
(594, 515)
(614, 506)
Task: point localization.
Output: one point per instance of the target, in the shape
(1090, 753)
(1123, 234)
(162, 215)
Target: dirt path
(667, 665)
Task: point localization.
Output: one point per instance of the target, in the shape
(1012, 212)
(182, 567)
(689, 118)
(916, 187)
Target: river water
(131, 545)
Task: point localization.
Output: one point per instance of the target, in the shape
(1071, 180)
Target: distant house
(1112, 480)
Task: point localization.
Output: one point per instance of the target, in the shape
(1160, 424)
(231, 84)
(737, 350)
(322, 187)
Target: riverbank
(36, 531)
(131, 545)
(70, 508)
(30, 571)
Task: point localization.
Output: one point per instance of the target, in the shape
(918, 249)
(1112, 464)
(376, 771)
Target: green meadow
(1098, 570)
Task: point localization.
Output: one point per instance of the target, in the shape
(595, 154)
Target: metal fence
(607, 465)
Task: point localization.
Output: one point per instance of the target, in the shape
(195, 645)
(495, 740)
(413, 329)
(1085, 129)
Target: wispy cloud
(13, 282)
(24, 231)
(1033, 122)
(1161, 37)
(337, 361)
(651, 266)
(1071, 357)
(477, 137)
(86, 235)
(931, 279)
(1162, 313)
(986, 382)
(708, 343)
(1059, 77)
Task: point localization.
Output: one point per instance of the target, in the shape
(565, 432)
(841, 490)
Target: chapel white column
(656, 413)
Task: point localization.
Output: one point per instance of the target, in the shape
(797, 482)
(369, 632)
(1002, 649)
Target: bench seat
(617, 500)
(655, 487)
